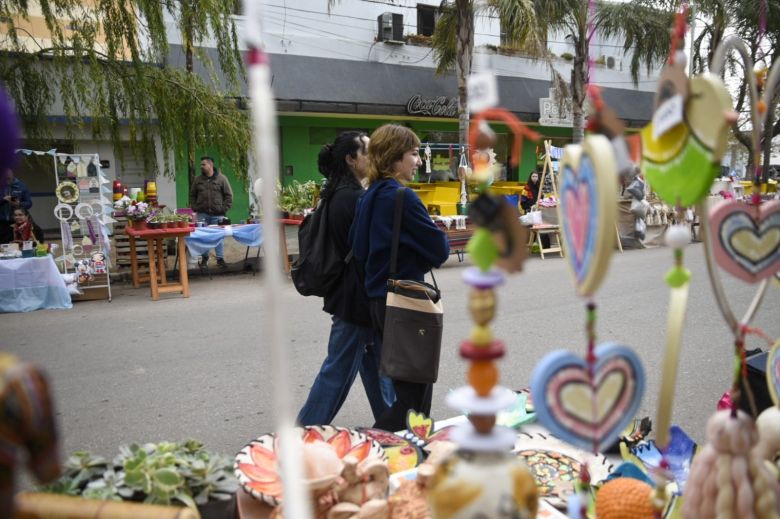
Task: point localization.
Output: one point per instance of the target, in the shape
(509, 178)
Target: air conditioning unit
(613, 63)
(390, 28)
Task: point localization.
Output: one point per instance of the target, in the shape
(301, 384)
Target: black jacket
(348, 301)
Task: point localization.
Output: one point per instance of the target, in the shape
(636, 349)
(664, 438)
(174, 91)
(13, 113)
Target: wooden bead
(482, 305)
(483, 423)
(481, 336)
(483, 376)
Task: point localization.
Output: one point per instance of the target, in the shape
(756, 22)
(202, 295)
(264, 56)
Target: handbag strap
(397, 214)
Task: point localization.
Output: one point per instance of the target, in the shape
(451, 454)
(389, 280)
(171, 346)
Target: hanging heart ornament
(587, 210)
(746, 239)
(584, 412)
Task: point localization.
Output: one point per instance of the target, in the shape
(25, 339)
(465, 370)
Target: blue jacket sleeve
(25, 201)
(425, 237)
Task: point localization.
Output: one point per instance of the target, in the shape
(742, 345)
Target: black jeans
(408, 395)
(6, 232)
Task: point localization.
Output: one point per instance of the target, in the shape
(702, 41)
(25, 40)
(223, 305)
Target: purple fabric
(9, 134)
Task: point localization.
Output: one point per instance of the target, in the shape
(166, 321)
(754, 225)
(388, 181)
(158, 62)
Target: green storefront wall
(240, 209)
(302, 137)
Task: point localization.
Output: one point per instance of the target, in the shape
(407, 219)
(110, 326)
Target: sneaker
(221, 263)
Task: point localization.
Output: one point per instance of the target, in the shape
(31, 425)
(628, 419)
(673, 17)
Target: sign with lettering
(441, 106)
(554, 113)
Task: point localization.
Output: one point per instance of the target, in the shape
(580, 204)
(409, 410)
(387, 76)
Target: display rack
(83, 210)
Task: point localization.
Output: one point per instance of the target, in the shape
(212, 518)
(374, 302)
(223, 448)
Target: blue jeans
(351, 349)
(219, 250)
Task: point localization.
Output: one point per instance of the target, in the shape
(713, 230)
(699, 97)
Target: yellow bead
(481, 336)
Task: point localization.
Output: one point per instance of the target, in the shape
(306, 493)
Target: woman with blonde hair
(394, 156)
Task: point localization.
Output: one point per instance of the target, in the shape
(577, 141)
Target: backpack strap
(398, 213)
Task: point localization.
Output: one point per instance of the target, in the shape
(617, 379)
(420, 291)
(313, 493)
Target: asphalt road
(136, 370)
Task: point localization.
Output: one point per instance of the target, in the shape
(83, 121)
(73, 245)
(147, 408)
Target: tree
(527, 24)
(106, 62)
(717, 19)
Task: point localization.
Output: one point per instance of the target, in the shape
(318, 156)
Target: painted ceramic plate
(556, 465)
(257, 469)
(402, 453)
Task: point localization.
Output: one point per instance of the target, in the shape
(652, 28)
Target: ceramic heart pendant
(746, 239)
(587, 210)
(582, 414)
(681, 163)
(773, 372)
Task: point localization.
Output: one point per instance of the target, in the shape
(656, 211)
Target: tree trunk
(465, 49)
(578, 99)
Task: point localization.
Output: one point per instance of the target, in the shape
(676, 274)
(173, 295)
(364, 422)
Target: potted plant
(137, 212)
(297, 197)
(165, 473)
(182, 220)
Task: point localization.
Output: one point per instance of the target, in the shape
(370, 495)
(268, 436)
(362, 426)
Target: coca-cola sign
(432, 106)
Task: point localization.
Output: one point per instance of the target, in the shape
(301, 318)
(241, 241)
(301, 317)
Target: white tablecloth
(203, 239)
(28, 284)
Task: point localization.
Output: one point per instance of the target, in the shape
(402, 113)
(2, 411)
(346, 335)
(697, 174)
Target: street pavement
(137, 370)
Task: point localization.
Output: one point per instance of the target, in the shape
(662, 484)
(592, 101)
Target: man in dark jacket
(13, 195)
(210, 197)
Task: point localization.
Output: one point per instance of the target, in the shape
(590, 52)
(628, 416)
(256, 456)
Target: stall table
(28, 284)
(156, 277)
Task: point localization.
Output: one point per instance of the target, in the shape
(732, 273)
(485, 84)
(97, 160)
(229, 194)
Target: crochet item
(625, 498)
(728, 479)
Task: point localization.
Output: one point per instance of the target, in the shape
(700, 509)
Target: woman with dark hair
(24, 227)
(394, 156)
(531, 191)
(353, 346)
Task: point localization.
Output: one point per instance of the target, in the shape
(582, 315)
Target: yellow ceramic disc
(705, 112)
(666, 147)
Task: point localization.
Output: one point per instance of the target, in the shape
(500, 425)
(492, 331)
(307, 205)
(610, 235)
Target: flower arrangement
(122, 203)
(137, 210)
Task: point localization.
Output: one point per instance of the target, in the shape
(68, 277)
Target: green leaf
(167, 478)
(186, 499)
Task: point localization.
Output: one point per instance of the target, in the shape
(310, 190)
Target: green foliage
(568, 56)
(108, 64)
(298, 196)
(163, 473)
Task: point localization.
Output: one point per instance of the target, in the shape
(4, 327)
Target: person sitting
(531, 192)
(25, 229)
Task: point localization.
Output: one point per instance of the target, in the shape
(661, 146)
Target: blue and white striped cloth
(203, 239)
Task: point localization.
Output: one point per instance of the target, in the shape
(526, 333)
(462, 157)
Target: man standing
(210, 197)
(13, 195)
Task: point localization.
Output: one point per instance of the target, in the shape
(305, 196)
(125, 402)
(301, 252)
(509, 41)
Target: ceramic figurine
(728, 479)
(489, 484)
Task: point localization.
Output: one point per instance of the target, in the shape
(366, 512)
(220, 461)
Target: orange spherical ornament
(483, 376)
(761, 106)
(625, 498)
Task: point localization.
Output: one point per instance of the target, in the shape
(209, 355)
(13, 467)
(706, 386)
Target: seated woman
(24, 227)
(531, 192)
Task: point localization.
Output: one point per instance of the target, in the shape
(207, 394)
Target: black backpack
(318, 267)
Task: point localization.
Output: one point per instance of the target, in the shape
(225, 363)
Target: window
(426, 19)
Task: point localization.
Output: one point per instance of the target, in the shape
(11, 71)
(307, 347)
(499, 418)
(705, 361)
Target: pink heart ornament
(746, 239)
(578, 213)
(582, 414)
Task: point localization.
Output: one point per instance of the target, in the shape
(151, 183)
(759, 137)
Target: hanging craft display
(587, 210)
(683, 144)
(67, 192)
(482, 477)
(63, 212)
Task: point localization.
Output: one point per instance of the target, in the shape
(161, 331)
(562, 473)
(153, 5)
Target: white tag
(483, 91)
(668, 115)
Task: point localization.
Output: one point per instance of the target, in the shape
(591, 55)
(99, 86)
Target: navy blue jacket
(18, 189)
(422, 245)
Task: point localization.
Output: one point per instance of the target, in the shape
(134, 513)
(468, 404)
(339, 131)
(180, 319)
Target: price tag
(483, 91)
(668, 115)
